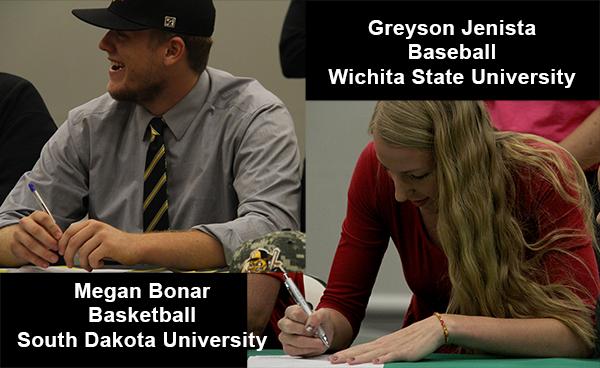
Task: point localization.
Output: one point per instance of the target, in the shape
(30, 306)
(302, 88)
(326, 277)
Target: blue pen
(40, 201)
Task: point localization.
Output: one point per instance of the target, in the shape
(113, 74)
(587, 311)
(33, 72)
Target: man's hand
(35, 240)
(95, 240)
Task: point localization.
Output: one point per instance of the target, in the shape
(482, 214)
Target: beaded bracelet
(439, 317)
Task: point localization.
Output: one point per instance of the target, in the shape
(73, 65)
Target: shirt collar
(179, 117)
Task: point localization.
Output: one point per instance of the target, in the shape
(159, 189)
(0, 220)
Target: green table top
(476, 361)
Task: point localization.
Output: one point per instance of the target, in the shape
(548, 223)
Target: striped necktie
(156, 215)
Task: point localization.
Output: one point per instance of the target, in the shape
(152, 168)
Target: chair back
(313, 290)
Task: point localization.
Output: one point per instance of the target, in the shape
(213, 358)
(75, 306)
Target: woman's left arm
(540, 337)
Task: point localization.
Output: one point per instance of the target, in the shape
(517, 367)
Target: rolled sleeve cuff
(224, 234)
(232, 234)
(8, 219)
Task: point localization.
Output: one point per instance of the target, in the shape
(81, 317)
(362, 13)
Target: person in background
(25, 126)
(575, 125)
(480, 219)
(292, 45)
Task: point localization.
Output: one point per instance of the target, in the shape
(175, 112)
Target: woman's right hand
(299, 332)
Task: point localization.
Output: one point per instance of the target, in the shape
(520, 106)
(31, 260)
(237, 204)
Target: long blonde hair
(494, 271)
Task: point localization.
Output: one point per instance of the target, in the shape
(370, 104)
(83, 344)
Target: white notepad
(286, 361)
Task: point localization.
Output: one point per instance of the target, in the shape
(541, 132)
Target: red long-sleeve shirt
(373, 216)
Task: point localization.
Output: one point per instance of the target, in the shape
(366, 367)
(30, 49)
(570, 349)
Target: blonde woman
(494, 231)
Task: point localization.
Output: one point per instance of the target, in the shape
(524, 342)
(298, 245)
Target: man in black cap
(176, 165)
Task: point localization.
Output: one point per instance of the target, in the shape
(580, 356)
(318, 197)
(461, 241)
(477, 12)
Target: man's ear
(175, 50)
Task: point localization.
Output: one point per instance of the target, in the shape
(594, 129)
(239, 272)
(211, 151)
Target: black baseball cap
(191, 17)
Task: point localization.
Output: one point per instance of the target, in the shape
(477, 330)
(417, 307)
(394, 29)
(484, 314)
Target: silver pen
(299, 299)
(40, 201)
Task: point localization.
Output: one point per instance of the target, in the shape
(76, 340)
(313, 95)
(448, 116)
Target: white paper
(286, 361)
(65, 269)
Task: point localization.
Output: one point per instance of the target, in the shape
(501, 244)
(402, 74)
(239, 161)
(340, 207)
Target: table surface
(476, 361)
(107, 269)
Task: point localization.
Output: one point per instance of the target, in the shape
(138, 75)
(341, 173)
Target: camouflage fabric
(275, 252)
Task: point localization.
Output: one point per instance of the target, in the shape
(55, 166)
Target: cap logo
(170, 22)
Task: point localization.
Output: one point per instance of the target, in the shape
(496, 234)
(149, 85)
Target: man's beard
(148, 92)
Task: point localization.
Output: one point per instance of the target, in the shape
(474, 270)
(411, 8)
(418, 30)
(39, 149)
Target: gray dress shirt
(232, 158)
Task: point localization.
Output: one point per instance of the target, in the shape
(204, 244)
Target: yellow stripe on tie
(163, 179)
(158, 156)
(154, 133)
(156, 218)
